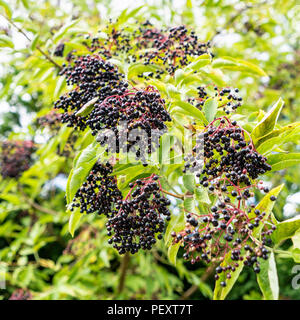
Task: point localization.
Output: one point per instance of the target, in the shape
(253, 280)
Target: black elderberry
(141, 216)
(99, 193)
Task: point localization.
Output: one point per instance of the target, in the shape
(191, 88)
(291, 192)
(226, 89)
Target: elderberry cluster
(140, 115)
(15, 157)
(141, 215)
(102, 100)
(171, 48)
(94, 79)
(99, 193)
(227, 164)
(227, 226)
(223, 150)
(228, 98)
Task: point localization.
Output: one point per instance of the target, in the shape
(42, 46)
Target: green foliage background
(36, 250)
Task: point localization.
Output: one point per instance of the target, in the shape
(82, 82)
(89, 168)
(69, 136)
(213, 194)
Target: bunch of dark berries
(137, 119)
(141, 216)
(171, 48)
(94, 80)
(102, 100)
(227, 165)
(15, 158)
(228, 226)
(223, 150)
(99, 193)
(228, 98)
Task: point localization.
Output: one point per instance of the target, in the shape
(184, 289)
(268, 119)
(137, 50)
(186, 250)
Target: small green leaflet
(281, 161)
(199, 62)
(235, 64)
(286, 229)
(201, 195)
(87, 108)
(210, 109)
(191, 110)
(6, 41)
(267, 124)
(83, 163)
(266, 205)
(172, 253)
(189, 182)
(138, 68)
(267, 278)
(74, 220)
(6, 8)
(176, 223)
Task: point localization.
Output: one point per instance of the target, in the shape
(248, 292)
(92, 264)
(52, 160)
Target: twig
(179, 196)
(194, 287)
(37, 206)
(123, 271)
(37, 46)
(40, 208)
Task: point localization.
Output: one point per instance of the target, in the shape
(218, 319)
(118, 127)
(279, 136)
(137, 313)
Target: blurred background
(38, 257)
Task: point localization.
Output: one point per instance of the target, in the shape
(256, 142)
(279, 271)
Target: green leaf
(83, 164)
(266, 205)
(189, 204)
(291, 128)
(179, 75)
(238, 65)
(296, 239)
(172, 91)
(139, 68)
(124, 16)
(189, 182)
(277, 138)
(286, 229)
(176, 224)
(267, 124)
(267, 278)
(191, 110)
(87, 108)
(296, 254)
(6, 8)
(74, 220)
(210, 108)
(34, 42)
(199, 62)
(6, 41)
(172, 253)
(59, 85)
(25, 4)
(128, 173)
(62, 31)
(215, 75)
(202, 195)
(281, 161)
(220, 292)
(129, 170)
